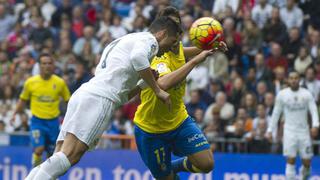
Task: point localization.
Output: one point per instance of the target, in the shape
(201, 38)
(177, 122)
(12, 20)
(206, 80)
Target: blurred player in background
(295, 102)
(122, 64)
(158, 131)
(44, 92)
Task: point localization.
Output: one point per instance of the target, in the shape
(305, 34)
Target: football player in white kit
(90, 108)
(295, 102)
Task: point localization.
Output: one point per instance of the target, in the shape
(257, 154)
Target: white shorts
(297, 143)
(87, 117)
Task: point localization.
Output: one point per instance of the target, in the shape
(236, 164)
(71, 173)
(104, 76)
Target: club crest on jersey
(161, 67)
(152, 51)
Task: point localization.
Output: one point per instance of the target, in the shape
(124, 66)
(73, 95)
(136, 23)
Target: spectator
(116, 29)
(78, 23)
(303, 61)
(2, 126)
(261, 13)
(262, 89)
(40, 34)
(262, 73)
(217, 66)
(236, 131)
(47, 9)
(275, 30)
(64, 10)
(276, 59)
(311, 83)
(279, 81)
(252, 37)
(198, 78)
(120, 125)
(220, 6)
(315, 44)
(88, 33)
(198, 117)
(292, 46)
(209, 96)
(261, 116)
(251, 82)
(215, 127)
(291, 15)
(195, 103)
(6, 22)
(269, 102)
(257, 141)
(81, 76)
(230, 30)
(242, 114)
(238, 90)
(104, 23)
(226, 109)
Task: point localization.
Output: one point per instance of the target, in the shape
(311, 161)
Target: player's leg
(35, 170)
(192, 143)
(37, 136)
(290, 148)
(155, 152)
(306, 153)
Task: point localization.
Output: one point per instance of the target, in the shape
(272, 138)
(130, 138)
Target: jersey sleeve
(313, 110)
(276, 113)
(25, 94)
(65, 93)
(141, 54)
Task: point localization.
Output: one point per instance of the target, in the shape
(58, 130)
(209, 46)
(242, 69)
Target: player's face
(294, 80)
(46, 66)
(166, 43)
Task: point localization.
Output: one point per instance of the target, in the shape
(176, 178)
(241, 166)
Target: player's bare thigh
(202, 160)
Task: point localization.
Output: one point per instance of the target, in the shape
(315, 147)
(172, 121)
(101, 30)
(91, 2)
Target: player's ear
(162, 34)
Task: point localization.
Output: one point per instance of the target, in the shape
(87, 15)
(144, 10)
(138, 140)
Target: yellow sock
(36, 160)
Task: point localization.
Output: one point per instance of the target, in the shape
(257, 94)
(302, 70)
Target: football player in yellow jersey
(159, 131)
(44, 92)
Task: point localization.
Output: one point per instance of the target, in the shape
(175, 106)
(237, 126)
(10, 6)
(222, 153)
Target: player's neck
(45, 76)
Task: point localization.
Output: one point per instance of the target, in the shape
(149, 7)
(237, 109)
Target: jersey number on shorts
(111, 46)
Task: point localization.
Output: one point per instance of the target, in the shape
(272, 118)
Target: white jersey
(295, 106)
(116, 74)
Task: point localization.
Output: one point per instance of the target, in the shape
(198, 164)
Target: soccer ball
(206, 33)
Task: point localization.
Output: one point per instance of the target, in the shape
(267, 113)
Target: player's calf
(37, 156)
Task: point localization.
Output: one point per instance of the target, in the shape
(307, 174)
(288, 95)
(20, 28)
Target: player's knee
(206, 166)
(74, 155)
(39, 150)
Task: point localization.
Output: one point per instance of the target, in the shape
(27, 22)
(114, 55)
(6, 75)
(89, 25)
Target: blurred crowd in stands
(231, 95)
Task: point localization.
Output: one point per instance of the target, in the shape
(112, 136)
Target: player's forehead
(293, 75)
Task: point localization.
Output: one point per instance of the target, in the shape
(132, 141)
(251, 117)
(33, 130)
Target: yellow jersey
(44, 95)
(153, 115)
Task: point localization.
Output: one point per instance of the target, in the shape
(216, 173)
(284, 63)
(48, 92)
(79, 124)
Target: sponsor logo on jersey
(195, 137)
(162, 67)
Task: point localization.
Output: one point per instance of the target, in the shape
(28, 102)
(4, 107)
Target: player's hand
(203, 55)
(222, 47)
(13, 118)
(268, 136)
(155, 74)
(314, 132)
(164, 97)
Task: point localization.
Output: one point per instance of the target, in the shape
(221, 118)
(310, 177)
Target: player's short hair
(294, 72)
(45, 55)
(169, 11)
(165, 23)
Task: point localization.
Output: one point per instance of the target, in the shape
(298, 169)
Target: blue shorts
(44, 132)
(155, 149)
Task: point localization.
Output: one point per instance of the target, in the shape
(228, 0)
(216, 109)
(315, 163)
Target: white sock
(32, 173)
(53, 167)
(290, 172)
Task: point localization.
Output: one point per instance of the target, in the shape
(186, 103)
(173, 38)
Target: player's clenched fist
(164, 97)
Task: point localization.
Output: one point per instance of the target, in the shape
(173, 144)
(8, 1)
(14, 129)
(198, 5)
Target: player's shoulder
(284, 91)
(305, 91)
(57, 79)
(32, 79)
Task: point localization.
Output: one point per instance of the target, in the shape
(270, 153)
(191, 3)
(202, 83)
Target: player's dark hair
(165, 23)
(44, 55)
(169, 11)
